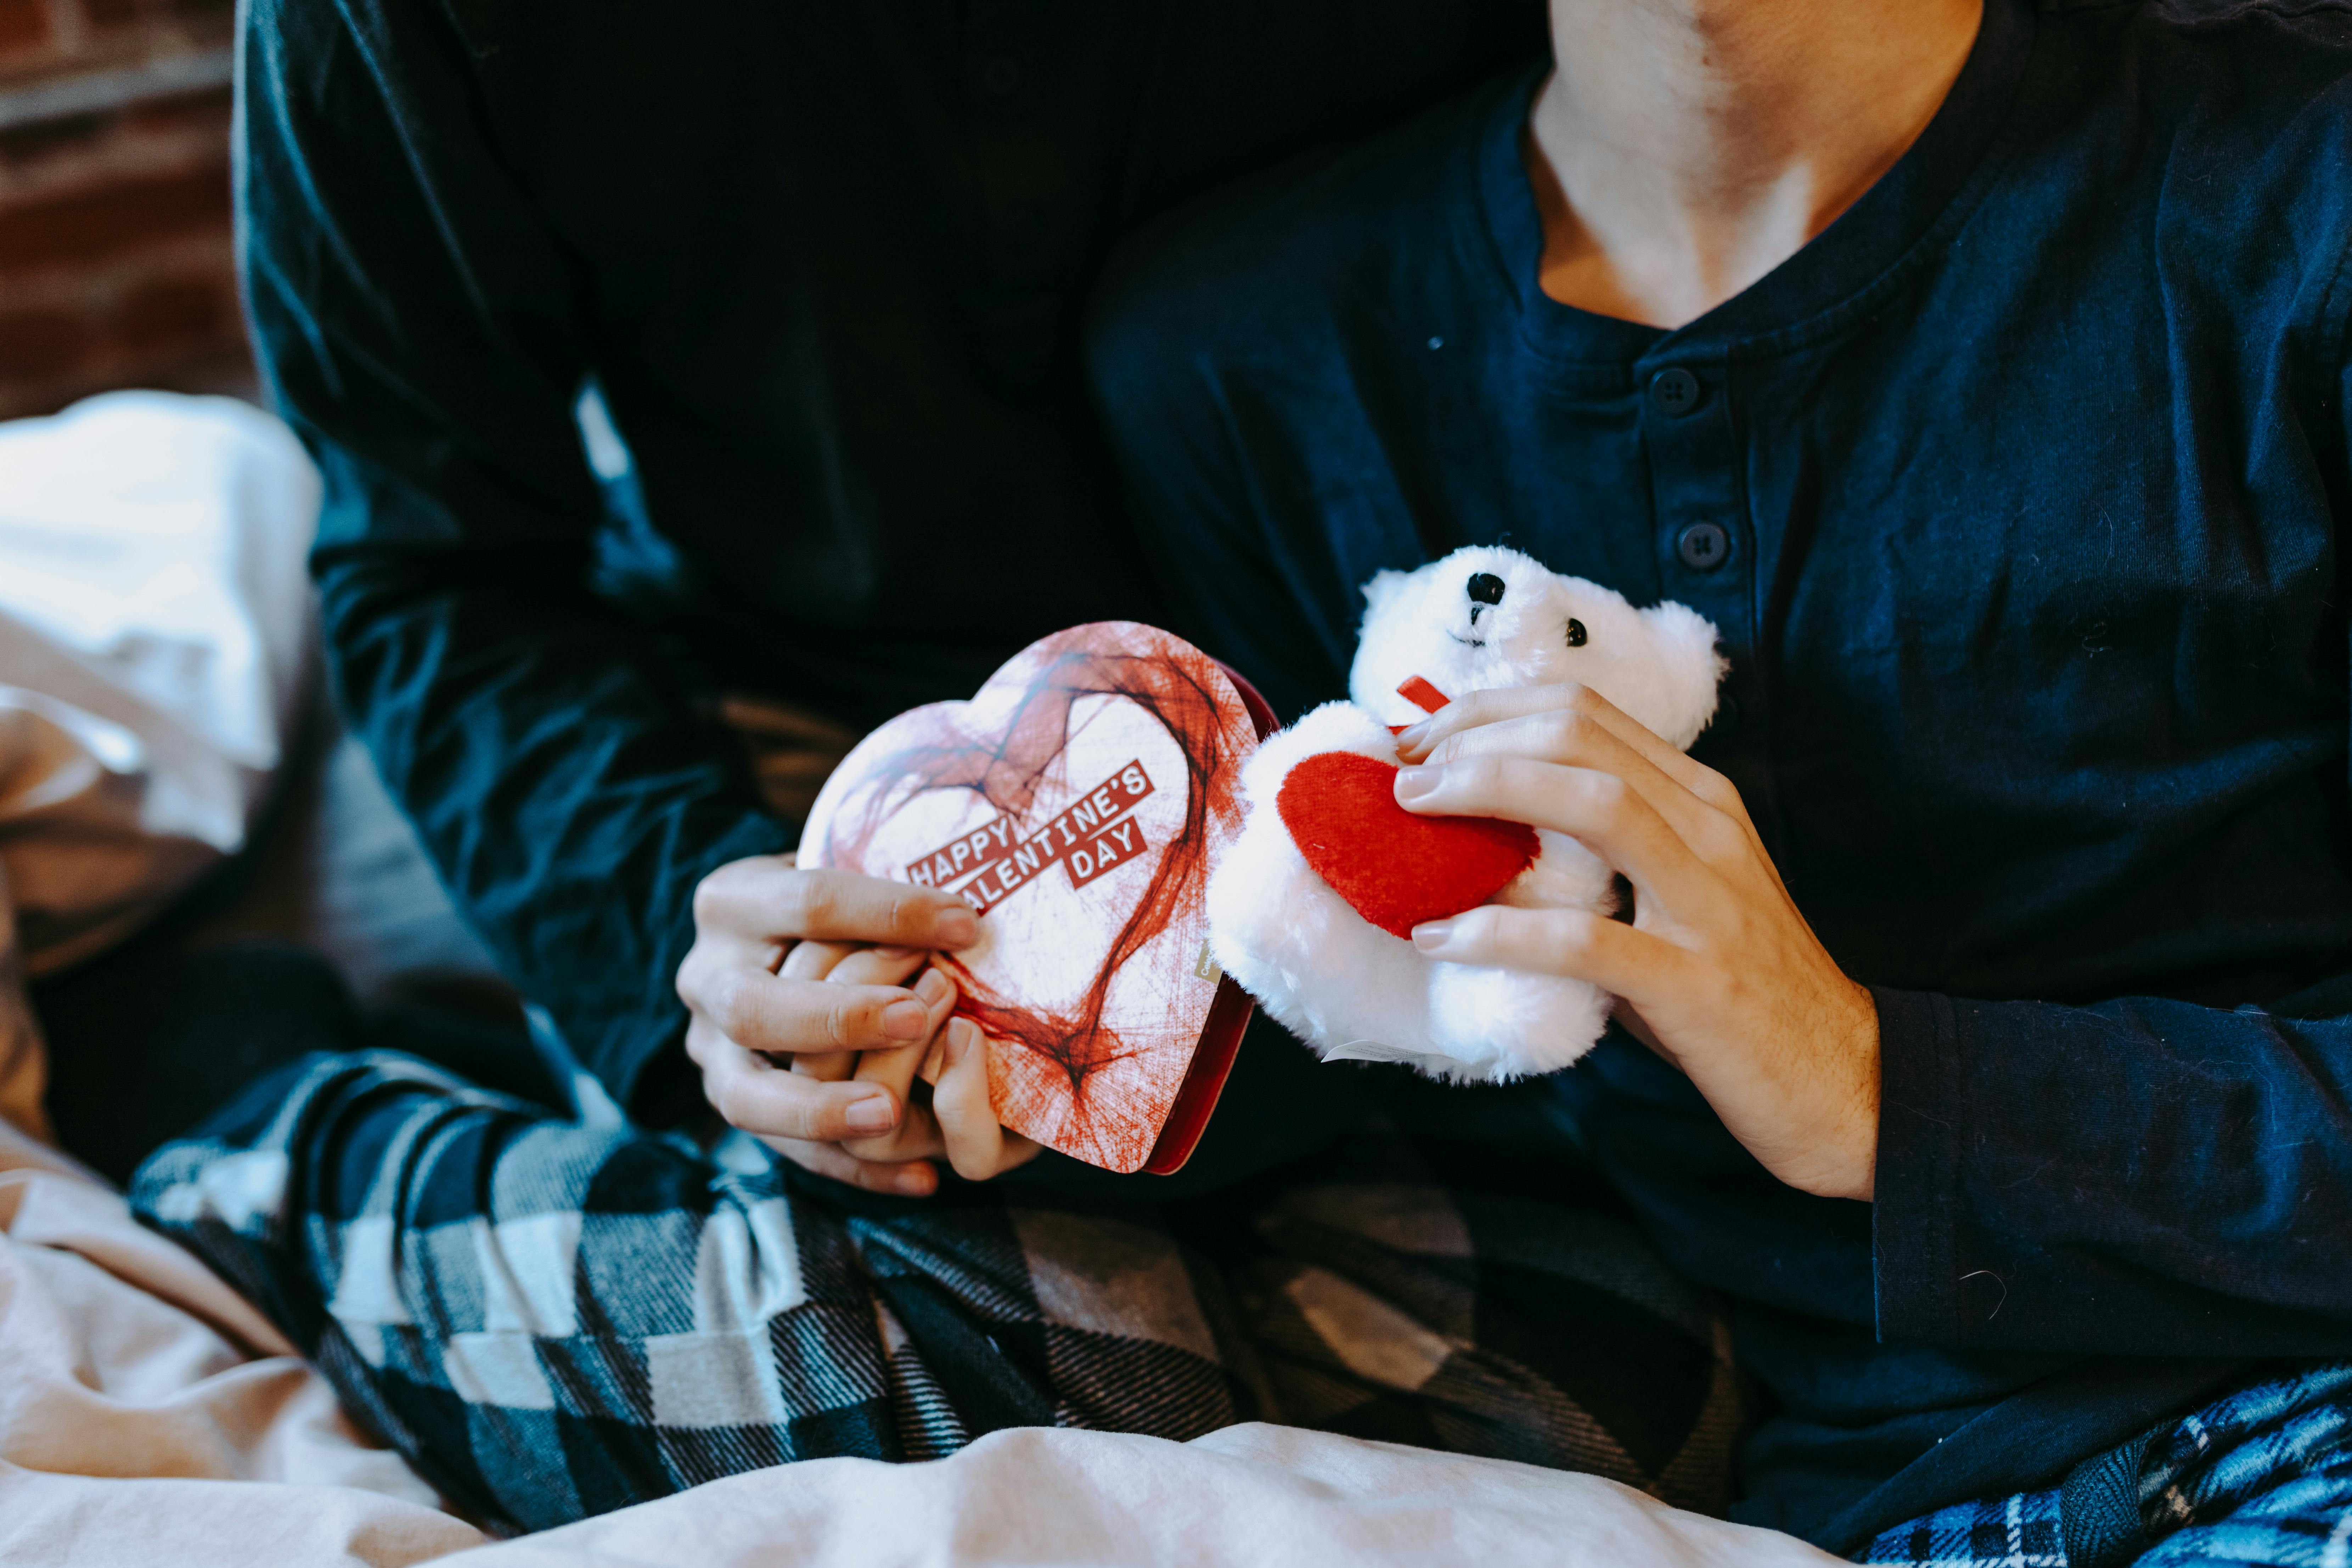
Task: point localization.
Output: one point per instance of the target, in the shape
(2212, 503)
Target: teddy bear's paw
(1311, 962)
(1330, 780)
(1497, 1025)
(1357, 992)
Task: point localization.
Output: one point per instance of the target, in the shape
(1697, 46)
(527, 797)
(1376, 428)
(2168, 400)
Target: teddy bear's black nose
(1486, 588)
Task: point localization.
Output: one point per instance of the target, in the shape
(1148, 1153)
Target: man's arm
(416, 322)
(2139, 1177)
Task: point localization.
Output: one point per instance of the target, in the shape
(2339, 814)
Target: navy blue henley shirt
(2019, 497)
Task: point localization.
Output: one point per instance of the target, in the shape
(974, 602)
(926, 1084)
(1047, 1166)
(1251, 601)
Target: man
(659, 356)
(805, 280)
(1981, 368)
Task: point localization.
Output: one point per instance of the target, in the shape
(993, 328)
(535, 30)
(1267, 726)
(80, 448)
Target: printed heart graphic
(1078, 800)
(1395, 869)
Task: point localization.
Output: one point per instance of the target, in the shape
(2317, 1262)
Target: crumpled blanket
(151, 606)
(1250, 1494)
(147, 1415)
(154, 619)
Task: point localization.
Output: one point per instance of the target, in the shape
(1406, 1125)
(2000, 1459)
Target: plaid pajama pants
(554, 1317)
(2261, 1476)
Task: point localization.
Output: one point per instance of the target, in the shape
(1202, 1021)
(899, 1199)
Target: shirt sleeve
(2140, 1177)
(416, 324)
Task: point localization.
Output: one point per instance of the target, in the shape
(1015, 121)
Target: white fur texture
(1345, 987)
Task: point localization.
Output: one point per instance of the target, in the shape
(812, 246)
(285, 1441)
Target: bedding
(149, 1415)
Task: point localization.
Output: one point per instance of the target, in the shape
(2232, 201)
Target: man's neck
(1682, 149)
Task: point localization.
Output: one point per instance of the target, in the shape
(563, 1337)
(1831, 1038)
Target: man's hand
(770, 976)
(942, 1081)
(1718, 971)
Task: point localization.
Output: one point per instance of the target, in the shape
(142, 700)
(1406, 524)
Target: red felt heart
(1395, 869)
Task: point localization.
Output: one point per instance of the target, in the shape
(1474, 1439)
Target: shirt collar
(1927, 189)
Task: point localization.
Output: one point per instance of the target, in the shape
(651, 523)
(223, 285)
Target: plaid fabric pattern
(556, 1318)
(2261, 1476)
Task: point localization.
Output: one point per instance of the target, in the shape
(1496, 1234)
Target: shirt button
(1675, 392)
(1703, 546)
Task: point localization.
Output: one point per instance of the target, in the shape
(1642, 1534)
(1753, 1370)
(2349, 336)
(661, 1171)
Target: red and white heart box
(1079, 800)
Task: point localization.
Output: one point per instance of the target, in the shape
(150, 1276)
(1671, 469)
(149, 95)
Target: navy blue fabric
(823, 264)
(2033, 471)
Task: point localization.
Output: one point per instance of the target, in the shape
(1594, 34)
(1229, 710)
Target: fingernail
(915, 1181)
(958, 927)
(933, 988)
(1431, 935)
(1413, 735)
(908, 1020)
(875, 1113)
(1413, 783)
(962, 1033)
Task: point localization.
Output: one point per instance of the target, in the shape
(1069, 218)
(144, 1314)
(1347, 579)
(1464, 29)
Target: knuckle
(1612, 797)
(724, 1000)
(1574, 939)
(1721, 840)
(808, 903)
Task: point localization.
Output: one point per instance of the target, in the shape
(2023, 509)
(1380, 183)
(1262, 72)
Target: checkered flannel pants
(2262, 1475)
(552, 1317)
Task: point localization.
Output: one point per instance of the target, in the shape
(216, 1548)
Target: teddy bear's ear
(1689, 667)
(1380, 590)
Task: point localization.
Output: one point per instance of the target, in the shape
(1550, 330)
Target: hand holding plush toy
(1313, 908)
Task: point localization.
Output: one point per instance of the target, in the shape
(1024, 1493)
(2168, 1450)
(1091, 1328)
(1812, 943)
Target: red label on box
(998, 860)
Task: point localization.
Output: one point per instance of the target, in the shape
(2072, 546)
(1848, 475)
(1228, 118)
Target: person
(681, 372)
(667, 372)
(1981, 368)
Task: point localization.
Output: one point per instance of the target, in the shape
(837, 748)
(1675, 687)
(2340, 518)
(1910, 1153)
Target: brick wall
(115, 260)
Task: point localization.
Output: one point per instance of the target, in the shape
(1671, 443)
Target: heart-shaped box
(1079, 800)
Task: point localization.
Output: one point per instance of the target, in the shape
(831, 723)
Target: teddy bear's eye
(1576, 638)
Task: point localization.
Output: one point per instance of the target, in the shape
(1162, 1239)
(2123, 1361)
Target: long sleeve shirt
(657, 351)
(2019, 497)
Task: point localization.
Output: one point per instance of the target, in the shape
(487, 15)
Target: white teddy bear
(1291, 933)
